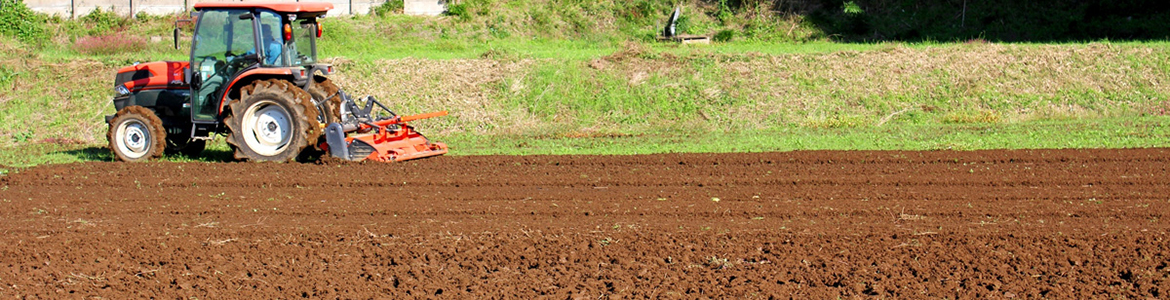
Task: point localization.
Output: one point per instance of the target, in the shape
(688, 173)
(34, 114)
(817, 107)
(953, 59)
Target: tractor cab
(240, 39)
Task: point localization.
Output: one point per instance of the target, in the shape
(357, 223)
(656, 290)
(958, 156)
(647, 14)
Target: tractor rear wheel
(323, 89)
(136, 134)
(273, 120)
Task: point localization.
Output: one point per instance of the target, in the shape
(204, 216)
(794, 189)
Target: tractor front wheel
(273, 120)
(136, 134)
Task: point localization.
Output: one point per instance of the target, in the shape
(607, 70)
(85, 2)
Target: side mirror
(188, 20)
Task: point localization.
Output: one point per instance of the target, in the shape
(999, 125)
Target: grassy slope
(530, 92)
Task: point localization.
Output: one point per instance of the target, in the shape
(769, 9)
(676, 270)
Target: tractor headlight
(121, 90)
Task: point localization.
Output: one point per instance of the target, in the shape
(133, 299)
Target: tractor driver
(272, 46)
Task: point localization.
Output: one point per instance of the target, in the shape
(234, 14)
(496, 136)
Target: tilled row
(618, 263)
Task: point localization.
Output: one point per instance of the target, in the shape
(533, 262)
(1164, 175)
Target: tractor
(253, 75)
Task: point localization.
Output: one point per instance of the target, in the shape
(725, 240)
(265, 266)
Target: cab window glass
(217, 52)
(222, 32)
(272, 43)
(305, 39)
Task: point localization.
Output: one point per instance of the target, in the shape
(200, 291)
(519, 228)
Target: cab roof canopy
(284, 7)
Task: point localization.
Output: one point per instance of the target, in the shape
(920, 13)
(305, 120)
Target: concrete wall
(424, 7)
(78, 8)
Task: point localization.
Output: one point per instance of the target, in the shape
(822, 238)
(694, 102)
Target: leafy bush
(17, 21)
(724, 12)
(683, 25)
(101, 22)
(389, 7)
(459, 11)
(644, 12)
(109, 44)
(724, 35)
(851, 8)
(479, 7)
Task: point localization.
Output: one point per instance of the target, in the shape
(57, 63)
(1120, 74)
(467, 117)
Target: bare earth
(1060, 224)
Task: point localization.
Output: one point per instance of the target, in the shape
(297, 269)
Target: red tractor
(253, 76)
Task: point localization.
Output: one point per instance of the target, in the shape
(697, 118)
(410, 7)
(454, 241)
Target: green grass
(1098, 133)
(560, 49)
(611, 92)
(33, 154)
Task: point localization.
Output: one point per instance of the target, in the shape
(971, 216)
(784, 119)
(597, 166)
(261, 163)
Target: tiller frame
(361, 137)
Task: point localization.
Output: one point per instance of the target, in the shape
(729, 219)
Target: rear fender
(250, 76)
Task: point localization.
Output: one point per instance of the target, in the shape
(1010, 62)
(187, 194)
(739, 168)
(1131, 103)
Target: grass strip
(1142, 132)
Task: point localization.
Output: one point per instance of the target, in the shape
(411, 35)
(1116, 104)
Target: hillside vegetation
(544, 74)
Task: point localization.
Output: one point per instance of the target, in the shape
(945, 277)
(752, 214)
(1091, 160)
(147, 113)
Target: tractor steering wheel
(205, 58)
(241, 61)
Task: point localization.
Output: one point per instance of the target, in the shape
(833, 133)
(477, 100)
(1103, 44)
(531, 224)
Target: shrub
(683, 24)
(109, 44)
(851, 8)
(724, 35)
(724, 12)
(100, 22)
(19, 22)
(389, 7)
(459, 11)
(644, 12)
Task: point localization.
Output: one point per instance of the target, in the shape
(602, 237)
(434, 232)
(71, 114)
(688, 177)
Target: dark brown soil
(1058, 224)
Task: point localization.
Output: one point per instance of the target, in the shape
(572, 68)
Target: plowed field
(1059, 224)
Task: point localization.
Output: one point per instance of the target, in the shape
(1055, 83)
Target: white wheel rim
(133, 139)
(267, 128)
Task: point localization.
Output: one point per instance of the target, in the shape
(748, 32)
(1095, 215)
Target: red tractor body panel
(152, 75)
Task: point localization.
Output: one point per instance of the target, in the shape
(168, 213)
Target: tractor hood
(152, 75)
